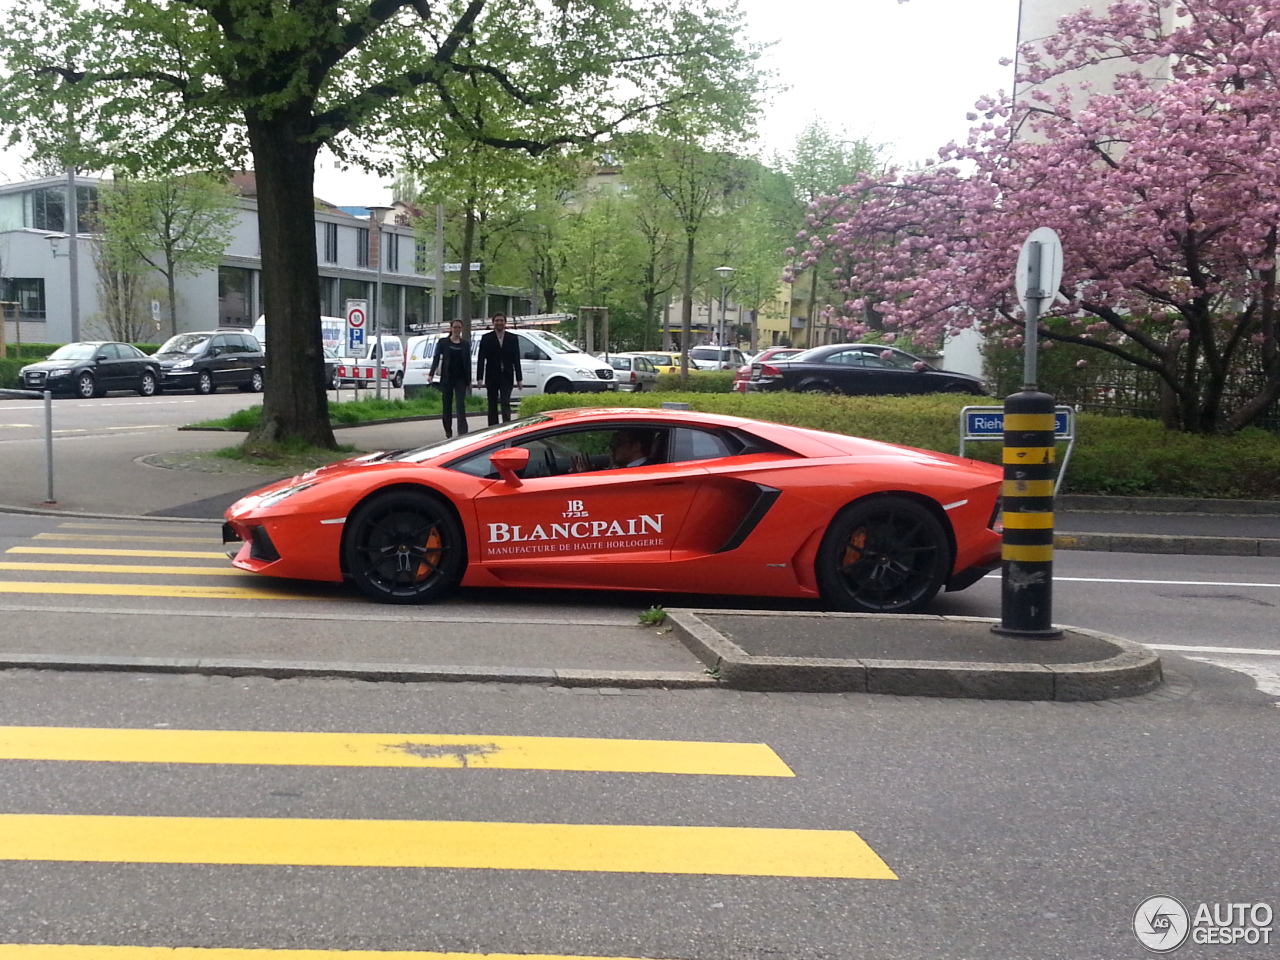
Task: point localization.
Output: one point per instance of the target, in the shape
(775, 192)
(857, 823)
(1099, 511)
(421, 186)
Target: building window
(48, 205)
(420, 257)
(330, 242)
(393, 252)
(351, 290)
(235, 297)
(362, 246)
(328, 297)
(27, 293)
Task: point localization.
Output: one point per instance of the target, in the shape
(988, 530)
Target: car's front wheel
(147, 385)
(404, 547)
(557, 385)
(883, 555)
(86, 386)
(205, 383)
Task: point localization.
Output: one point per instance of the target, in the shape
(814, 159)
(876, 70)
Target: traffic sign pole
(1028, 455)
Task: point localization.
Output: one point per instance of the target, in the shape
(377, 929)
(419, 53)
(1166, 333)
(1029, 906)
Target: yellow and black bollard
(1026, 600)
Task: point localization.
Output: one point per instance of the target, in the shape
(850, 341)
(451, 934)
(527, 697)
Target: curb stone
(374, 672)
(1131, 671)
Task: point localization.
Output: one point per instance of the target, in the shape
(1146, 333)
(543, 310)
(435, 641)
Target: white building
(35, 273)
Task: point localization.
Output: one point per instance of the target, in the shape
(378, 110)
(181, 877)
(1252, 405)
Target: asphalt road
(1013, 829)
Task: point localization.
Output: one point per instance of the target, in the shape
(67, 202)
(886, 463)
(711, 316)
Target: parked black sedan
(859, 369)
(91, 368)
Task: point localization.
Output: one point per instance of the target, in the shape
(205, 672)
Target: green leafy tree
(163, 84)
(177, 226)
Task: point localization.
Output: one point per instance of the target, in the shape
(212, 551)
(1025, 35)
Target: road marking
(1266, 679)
(1167, 583)
(10, 426)
(107, 552)
(59, 951)
(271, 748)
(96, 538)
(448, 845)
(126, 568)
(358, 614)
(147, 590)
(1247, 651)
(127, 526)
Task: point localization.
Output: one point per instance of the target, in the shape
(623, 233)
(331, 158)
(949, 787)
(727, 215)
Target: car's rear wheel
(404, 547)
(205, 383)
(147, 385)
(883, 555)
(817, 388)
(398, 379)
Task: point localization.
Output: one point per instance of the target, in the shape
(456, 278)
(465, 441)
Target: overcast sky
(902, 74)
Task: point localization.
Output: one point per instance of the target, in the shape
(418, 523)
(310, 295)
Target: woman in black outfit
(453, 360)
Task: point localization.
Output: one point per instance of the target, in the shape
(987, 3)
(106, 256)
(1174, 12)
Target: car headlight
(271, 499)
(182, 364)
(584, 373)
(58, 373)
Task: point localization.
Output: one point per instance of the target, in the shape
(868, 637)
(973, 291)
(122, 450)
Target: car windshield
(75, 351)
(557, 344)
(705, 353)
(184, 343)
(431, 450)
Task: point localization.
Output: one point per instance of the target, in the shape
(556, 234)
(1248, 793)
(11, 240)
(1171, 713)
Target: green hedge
(1113, 455)
(9, 373)
(702, 381)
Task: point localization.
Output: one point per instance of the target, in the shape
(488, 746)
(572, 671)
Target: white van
(333, 332)
(549, 363)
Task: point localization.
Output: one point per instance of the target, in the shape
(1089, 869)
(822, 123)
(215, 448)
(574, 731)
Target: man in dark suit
(498, 367)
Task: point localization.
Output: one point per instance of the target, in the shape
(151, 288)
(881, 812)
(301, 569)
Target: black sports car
(859, 369)
(91, 368)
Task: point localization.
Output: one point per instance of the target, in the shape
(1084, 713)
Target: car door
(132, 362)
(109, 366)
(574, 522)
(533, 363)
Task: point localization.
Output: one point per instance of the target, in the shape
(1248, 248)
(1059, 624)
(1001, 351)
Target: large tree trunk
(295, 407)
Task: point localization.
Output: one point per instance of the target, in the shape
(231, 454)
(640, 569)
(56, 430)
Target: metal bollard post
(1026, 599)
(48, 446)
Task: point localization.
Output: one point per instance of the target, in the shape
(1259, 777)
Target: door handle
(669, 483)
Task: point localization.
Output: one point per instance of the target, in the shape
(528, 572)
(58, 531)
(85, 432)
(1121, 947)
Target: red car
(656, 500)
(743, 376)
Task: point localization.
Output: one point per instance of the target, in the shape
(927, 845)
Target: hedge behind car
(1114, 455)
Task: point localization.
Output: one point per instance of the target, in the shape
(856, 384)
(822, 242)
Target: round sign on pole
(356, 317)
(1050, 267)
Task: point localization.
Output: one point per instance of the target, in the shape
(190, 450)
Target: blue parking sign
(355, 340)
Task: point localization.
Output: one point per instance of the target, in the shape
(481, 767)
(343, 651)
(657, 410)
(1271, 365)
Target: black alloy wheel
(404, 547)
(147, 385)
(883, 555)
(86, 386)
(205, 383)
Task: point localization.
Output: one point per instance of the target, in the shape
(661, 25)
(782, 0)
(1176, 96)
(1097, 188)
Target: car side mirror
(101, 356)
(507, 461)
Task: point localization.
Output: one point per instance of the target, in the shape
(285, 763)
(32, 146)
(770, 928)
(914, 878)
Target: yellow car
(663, 362)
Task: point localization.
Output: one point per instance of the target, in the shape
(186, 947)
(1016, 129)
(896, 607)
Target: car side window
(530, 350)
(110, 350)
(849, 358)
(690, 444)
(247, 344)
(130, 351)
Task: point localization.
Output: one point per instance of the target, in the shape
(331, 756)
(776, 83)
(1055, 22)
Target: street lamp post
(724, 274)
(377, 213)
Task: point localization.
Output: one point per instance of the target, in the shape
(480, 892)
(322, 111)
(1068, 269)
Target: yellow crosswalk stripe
(57, 951)
(124, 568)
(148, 590)
(719, 851)
(93, 537)
(389, 750)
(107, 552)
